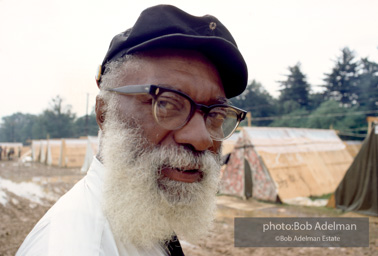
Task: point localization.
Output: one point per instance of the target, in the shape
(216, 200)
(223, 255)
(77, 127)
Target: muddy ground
(23, 203)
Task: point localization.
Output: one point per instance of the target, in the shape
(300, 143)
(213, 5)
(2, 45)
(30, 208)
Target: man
(162, 112)
(10, 153)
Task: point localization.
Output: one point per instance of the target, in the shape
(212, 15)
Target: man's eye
(167, 105)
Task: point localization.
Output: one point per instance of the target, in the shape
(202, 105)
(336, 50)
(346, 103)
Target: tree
(58, 121)
(295, 118)
(16, 127)
(321, 118)
(368, 85)
(257, 100)
(84, 126)
(315, 99)
(341, 83)
(332, 114)
(55, 122)
(295, 87)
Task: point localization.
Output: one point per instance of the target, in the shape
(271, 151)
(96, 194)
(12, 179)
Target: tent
(353, 147)
(277, 164)
(54, 152)
(43, 151)
(358, 190)
(91, 150)
(229, 144)
(36, 150)
(25, 152)
(73, 152)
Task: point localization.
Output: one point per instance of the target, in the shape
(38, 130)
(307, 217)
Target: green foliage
(368, 85)
(315, 99)
(295, 88)
(293, 119)
(326, 115)
(16, 128)
(324, 196)
(351, 94)
(289, 106)
(86, 125)
(341, 83)
(58, 120)
(55, 122)
(257, 100)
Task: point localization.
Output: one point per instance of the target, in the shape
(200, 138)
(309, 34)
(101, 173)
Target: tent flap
(358, 191)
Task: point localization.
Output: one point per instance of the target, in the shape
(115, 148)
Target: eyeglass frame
(156, 90)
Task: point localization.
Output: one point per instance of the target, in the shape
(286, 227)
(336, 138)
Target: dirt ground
(28, 190)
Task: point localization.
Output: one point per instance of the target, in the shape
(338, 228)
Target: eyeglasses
(173, 109)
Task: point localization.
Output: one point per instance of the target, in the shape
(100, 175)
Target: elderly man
(162, 112)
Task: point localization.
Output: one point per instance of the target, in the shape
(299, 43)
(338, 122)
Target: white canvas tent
(283, 163)
(36, 150)
(43, 152)
(73, 152)
(54, 152)
(91, 150)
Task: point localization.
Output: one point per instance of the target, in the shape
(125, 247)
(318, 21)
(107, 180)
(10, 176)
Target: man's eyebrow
(218, 100)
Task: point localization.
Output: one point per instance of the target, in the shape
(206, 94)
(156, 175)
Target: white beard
(144, 209)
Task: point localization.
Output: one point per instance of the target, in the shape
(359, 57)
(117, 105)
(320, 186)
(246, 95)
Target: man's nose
(194, 133)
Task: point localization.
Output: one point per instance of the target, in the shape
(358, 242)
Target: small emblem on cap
(212, 25)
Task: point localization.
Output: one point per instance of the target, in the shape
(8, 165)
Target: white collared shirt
(76, 225)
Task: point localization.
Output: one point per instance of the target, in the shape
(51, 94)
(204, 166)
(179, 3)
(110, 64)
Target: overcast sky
(52, 47)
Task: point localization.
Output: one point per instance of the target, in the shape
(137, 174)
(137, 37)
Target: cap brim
(225, 56)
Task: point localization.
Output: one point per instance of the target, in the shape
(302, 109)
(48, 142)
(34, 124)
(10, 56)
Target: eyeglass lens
(172, 111)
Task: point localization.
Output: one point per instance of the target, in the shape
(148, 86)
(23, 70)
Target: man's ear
(100, 111)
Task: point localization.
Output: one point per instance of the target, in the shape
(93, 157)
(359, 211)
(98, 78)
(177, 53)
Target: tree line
(57, 121)
(349, 94)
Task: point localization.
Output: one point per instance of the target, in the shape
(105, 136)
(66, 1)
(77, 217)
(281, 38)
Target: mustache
(182, 157)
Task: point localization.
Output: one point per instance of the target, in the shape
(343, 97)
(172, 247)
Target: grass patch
(325, 196)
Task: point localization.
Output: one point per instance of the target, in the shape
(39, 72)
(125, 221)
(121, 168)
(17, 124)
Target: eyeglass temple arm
(243, 115)
(131, 89)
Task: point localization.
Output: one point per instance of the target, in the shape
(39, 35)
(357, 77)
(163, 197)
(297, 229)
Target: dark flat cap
(166, 26)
